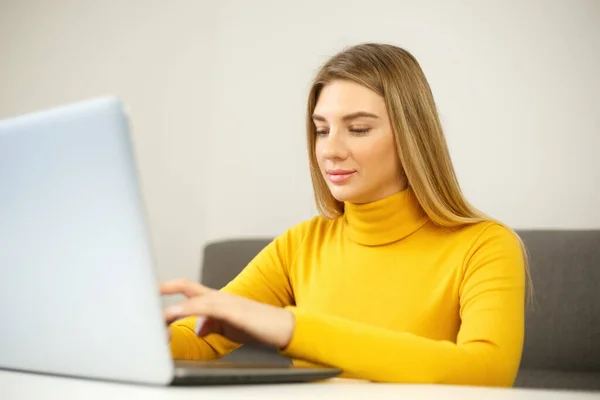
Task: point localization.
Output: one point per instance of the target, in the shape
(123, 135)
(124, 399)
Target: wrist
(288, 327)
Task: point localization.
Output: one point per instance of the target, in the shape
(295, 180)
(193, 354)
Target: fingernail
(199, 324)
(174, 310)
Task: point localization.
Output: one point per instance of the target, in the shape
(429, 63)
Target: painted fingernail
(199, 324)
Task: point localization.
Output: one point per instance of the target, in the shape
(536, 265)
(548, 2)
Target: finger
(201, 306)
(183, 286)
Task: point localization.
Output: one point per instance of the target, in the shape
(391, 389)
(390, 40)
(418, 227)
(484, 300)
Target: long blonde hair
(395, 74)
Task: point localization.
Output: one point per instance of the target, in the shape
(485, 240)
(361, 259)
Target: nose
(333, 145)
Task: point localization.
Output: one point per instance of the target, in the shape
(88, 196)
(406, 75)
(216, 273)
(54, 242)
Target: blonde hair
(395, 74)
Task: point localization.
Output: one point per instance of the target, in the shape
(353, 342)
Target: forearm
(367, 352)
(186, 345)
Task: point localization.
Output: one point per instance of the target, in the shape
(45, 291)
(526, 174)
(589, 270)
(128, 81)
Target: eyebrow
(348, 117)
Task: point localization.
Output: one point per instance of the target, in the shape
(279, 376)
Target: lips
(339, 175)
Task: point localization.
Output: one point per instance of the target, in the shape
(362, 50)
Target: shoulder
(493, 236)
(486, 236)
(495, 252)
(315, 227)
(297, 239)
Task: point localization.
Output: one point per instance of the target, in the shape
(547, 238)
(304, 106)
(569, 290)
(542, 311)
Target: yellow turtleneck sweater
(386, 295)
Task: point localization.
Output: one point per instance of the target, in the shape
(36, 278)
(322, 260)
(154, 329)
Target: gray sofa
(562, 342)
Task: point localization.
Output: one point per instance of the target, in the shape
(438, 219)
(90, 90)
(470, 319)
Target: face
(355, 145)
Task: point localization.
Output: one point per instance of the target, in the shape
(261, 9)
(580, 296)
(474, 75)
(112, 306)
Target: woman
(400, 279)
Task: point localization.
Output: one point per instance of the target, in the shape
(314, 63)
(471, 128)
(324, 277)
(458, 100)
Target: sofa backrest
(224, 260)
(563, 320)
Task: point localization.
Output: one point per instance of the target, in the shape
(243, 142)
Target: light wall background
(216, 93)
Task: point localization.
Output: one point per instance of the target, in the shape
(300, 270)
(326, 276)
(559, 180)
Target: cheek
(377, 157)
(391, 157)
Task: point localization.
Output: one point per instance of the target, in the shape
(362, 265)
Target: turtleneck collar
(384, 221)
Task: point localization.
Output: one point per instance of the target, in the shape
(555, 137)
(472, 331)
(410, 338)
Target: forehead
(342, 97)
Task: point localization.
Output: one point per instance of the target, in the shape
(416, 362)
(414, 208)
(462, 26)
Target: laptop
(78, 289)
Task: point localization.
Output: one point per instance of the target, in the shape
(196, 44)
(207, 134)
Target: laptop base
(194, 373)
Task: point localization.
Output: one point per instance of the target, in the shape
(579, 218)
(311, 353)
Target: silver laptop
(78, 291)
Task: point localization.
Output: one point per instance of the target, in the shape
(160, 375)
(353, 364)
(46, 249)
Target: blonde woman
(400, 279)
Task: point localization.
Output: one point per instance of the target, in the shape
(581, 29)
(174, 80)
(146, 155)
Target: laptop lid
(78, 292)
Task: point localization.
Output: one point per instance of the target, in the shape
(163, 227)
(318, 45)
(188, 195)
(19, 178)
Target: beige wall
(157, 56)
(216, 92)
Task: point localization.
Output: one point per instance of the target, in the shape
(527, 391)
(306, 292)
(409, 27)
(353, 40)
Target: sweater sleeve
(488, 347)
(264, 279)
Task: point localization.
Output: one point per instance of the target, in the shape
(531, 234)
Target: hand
(237, 318)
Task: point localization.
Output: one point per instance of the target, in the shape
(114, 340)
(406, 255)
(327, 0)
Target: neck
(384, 221)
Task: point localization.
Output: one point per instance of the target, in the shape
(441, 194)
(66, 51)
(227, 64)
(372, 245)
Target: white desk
(17, 386)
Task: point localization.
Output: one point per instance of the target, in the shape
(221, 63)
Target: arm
(265, 280)
(488, 347)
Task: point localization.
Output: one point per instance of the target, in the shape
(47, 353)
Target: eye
(321, 132)
(360, 131)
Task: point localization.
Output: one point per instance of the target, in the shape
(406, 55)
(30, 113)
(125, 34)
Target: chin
(344, 193)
